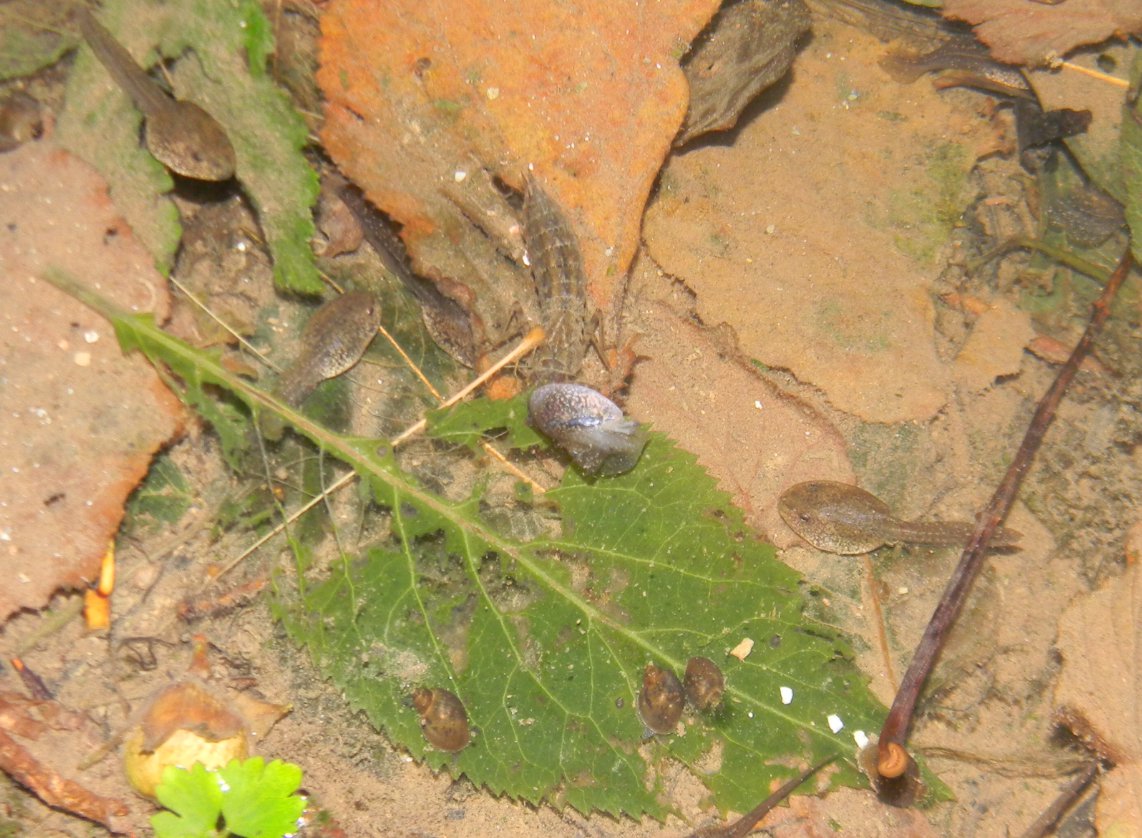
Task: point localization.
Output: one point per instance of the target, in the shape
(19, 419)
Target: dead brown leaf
(1022, 32)
(994, 348)
(429, 102)
(815, 236)
(754, 440)
(79, 421)
(1100, 639)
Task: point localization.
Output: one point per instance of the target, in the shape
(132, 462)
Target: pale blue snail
(588, 426)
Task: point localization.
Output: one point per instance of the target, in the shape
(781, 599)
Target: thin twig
(530, 341)
(412, 365)
(233, 332)
(752, 818)
(892, 757)
(1067, 797)
(1095, 74)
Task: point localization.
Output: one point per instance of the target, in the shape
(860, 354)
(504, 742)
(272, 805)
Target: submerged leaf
(545, 642)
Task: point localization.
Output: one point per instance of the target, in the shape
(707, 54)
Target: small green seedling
(246, 798)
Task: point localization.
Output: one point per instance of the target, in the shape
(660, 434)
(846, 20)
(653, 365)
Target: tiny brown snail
(588, 426)
(704, 683)
(660, 700)
(442, 718)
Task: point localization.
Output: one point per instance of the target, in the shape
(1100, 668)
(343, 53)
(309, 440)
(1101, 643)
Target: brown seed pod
(443, 718)
(704, 683)
(661, 698)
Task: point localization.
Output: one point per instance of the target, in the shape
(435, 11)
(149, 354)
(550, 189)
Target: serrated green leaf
(194, 799)
(226, 74)
(545, 640)
(260, 799)
(1131, 154)
(468, 423)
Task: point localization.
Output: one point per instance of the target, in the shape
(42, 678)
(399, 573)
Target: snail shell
(588, 426)
(661, 698)
(442, 718)
(704, 683)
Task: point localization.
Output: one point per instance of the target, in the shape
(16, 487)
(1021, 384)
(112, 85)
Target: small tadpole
(180, 135)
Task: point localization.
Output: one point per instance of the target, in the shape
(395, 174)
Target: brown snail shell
(704, 683)
(661, 699)
(442, 718)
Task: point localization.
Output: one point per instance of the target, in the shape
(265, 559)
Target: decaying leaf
(995, 347)
(1021, 32)
(80, 421)
(747, 47)
(431, 105)
(1100, 639)
(844, 305)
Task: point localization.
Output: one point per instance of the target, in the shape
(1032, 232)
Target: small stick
(343, 481)
(531, 340)
(748, 821)
(1046, 821)
(411, 363)
(1095, 74)
(35, 684)
(892, 758)
(233, 332)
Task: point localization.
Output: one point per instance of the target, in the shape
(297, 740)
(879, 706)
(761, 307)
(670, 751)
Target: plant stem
(892, 757)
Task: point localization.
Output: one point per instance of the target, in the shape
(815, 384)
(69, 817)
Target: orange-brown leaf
(429, 101)
(1020, 32)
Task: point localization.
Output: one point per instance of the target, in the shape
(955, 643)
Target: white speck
(242, 246)
(91, 336)
(750, 714)
(770, 229)
(493, 93)
(82, 359)
(757, 403)
(861, 738)
(786, 695)
(5, 535)
(902, 590)
(835, 723)
(526, 259)
(222, 784)
(459, 175)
